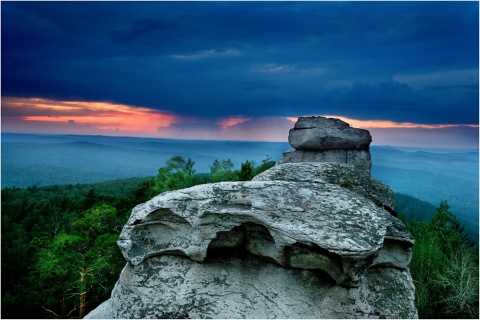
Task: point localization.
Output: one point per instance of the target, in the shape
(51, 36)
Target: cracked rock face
(245, 286)
(360, 159)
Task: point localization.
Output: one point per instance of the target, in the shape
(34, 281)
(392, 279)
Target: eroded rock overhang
(296, 224)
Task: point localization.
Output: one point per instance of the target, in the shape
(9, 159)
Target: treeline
(59, 253)
(412, 210)
(445, 261)
(179, 173)
(461, 193)
(60, 258)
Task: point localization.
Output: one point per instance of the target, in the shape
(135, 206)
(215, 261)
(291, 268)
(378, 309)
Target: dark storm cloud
(385, 60)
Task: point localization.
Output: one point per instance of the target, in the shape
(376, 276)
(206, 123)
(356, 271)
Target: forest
(60, 258)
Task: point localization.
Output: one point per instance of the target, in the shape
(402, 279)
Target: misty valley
(431, 175)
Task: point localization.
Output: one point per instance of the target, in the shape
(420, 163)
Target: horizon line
(220, 140)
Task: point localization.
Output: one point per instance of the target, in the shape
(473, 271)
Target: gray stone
(289, 214)
(360, 159)
(320, 122)
(344, 175)
(393, 254)
(313, 237)
(319, 133)
(330, 139)
(393, 292)
(236, 286)
(260, 249)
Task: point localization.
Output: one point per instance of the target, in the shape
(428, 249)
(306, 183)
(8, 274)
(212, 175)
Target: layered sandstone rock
(302, 240)
(319, 139)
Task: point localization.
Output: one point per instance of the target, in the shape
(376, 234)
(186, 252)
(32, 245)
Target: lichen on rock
(345, 175)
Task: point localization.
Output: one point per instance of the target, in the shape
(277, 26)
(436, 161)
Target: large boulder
(296, 249)
(319, 133)
(319, 139)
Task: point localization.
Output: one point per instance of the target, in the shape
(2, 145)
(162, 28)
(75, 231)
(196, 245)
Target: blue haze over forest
(432, 175)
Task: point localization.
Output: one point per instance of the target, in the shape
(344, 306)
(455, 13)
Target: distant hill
(413, 209)
(40, 160)
(433, 175)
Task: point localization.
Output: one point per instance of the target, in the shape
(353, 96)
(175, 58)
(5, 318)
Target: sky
(406, 71)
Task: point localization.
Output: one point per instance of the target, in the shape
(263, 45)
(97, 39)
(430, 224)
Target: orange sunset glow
(387, 124)
(37, 115)
(101, 115)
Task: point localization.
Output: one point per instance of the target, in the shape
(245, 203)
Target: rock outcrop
(345, 175)
(319, 139)
(319, 133)
(302, 240)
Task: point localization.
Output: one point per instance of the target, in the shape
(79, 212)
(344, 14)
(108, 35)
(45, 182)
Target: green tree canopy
(444, 268)
(246, 171)
(222, 170)
(177, 174)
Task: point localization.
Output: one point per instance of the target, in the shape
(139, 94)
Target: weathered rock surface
(319, 139)
(287, 214)
(304, 239)
(245, 286)
(320, 122)
(345, 175)
(360, 159)
(294, 244)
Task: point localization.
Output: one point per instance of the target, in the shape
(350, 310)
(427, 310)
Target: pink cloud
(104, 116)
(260, 129)
(225, 123)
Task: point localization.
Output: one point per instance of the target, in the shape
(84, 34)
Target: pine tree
(246, 171)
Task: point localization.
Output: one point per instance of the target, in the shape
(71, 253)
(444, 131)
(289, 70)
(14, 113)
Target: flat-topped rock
(319, 133)
(320, 122)
(344, 175)
(319, 139)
